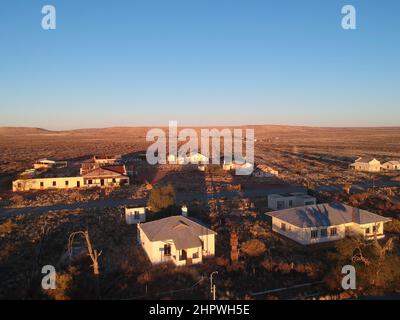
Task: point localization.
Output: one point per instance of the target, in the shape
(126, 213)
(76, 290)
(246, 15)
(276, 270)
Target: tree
(92, 253)
(377, 265)
(253, 249)
(161, 198)
(234, 247)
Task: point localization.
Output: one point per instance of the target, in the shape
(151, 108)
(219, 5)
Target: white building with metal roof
(177, 239)
(326, 222)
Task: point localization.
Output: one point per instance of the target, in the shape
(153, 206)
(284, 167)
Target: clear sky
(214, 62)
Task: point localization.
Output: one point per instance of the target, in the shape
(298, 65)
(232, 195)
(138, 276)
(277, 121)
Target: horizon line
(200, 126)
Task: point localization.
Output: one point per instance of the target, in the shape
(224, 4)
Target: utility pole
(213, 289)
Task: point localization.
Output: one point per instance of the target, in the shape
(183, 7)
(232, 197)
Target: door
(167, 250)
(102, 182)
(184, 255)
(78, 184)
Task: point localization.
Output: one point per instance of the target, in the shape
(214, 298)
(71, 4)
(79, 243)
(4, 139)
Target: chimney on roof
(184, 211)
(355, 215)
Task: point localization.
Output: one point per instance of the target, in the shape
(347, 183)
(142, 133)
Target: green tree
(161, 198)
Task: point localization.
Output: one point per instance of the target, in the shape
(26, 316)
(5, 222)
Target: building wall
(208, 244)
(130, 215)
(390, 166)
(296, 201)
(303, 235)
(370, 167)
(155, 249)
(151, 248)
(108, 182)
(367, 230)
(35, 183)
(189, 254)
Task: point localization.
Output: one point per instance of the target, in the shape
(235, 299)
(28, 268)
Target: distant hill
(260, 130)
(11, 131)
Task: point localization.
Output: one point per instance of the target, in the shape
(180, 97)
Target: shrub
(253, 248)
(161, 198)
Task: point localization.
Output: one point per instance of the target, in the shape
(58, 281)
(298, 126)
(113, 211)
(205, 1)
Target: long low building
(326, 222)
(111, 176)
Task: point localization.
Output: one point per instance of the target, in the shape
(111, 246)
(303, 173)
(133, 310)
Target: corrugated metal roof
(182, 231)
(365, 159)
(327, 214)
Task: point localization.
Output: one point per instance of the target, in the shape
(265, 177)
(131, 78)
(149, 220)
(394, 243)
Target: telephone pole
(213, 288)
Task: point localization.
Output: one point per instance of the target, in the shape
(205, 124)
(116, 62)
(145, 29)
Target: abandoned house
(289, 200)
(367, 164)
(177, 239)
(326, 222)
(111, 176)
(391, 165)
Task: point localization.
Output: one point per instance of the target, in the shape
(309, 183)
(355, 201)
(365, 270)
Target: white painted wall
(132, 218)
(372, 166)
(297, 201)
(155, 249)
(303, 235)
(35, 183)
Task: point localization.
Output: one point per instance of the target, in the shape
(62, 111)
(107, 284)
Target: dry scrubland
(301, 154)
(267, 261)
(28, 242)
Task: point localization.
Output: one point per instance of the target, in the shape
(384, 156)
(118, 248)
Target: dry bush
(6, 250)
(7, 227)
(393, 226)
(253, 248)
(63, 285)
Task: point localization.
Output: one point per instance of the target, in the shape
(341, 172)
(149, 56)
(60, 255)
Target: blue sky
(200, 62)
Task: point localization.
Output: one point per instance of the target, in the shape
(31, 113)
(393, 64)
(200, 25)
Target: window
(19, 185)
(113, 180)
(283, 226)
(54, 183)
(42, 184)
(333, 232)
(280, 204)
(195, 255)
(314, 234)
(290, 203)
(308, 203)
(367, 231)
(89, 181)
(167, 250)
(137, 215)
(66, 182)
(324, 233)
